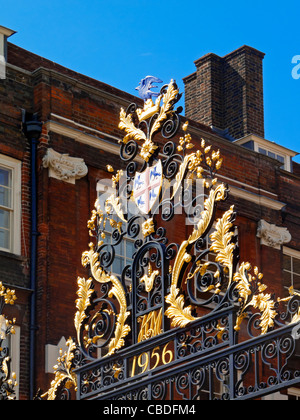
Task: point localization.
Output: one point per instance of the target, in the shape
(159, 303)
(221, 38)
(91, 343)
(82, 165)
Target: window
(269, 148)
(291, 269)
(5, 207)
(124, 251)
(273, 155)
(10, 204)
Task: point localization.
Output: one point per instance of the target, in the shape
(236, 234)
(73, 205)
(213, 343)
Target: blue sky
(120, 42)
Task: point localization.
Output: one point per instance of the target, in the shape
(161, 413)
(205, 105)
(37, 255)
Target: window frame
(104, 188)
(13, 165)
(267, 151)
(293, 254)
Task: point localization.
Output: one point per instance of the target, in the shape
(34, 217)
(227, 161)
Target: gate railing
(195, 363)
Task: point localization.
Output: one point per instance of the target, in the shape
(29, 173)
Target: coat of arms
(147, 186)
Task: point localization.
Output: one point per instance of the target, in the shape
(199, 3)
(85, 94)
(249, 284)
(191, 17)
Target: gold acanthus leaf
(179, 315)
(243, 285)
(5, 368)
(266, 306)
(222, 241)
(215, 195)
(182, 172)
(168, 99)
(133, 133)
(121, 330)
(249, 297)
(84, 293)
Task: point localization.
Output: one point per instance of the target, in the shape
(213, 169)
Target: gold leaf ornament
(136, 134)
(180, 315)
(266, 306)
(84, 293)
(168, 99)
(248, 287)
(133, 133)
(63, 372)
(222, 241)
(91, 258)
(177, 313)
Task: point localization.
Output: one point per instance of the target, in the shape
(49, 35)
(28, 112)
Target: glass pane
(272, 155)
(129, 249)
(262, 151)
(280, 158)
(5, 196)
(287, 279)
(287, 263)
(296, 284)
(4, 219)
(5, 177)
(107, 239)
(4, 239)
(117, 266)
(5, 187)
(296, 266)
(120, 249)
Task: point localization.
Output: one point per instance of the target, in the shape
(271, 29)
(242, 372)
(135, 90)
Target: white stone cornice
(64, 167)
(272, 235)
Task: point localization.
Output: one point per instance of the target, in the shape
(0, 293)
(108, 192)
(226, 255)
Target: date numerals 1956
(151, 360)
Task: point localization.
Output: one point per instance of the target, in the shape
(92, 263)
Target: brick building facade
(79, 137)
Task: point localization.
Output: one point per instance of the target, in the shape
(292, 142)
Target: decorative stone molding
(272, 235)
(64, 167)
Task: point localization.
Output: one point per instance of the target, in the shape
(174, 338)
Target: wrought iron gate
(181, 321)
(199, 363)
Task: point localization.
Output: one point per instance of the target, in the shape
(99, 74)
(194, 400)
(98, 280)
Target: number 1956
(145, 362)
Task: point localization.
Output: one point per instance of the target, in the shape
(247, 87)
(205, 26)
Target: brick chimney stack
(227, 92)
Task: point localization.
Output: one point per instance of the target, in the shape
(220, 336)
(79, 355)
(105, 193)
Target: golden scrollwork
(177, 309)
(64, 372)
(91, 258)
(292, 293)
(251, 293)
(179, 315)
(162, 111)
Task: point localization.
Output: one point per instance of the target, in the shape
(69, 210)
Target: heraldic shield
(147, 186)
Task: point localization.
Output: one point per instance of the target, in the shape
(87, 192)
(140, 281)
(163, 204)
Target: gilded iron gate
(195, 371)
(182, 321)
